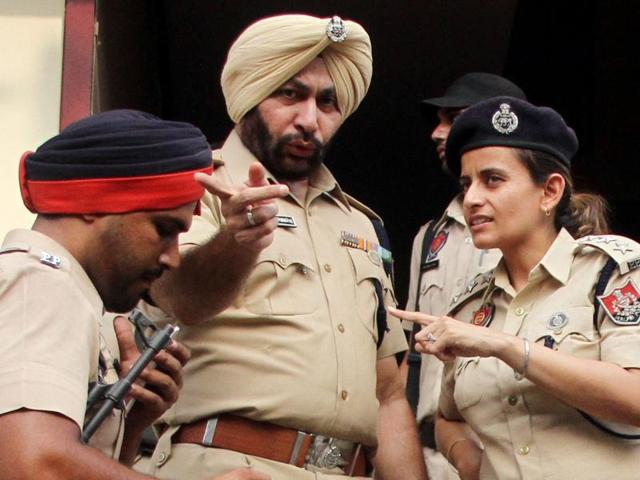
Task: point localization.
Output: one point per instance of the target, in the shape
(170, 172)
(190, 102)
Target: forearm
(612, 390)
(399, 455)
(130, 445)
(459, 445)
(46, 446)
(208, 280)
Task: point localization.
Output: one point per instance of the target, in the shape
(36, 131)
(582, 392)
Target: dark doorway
(166, 57)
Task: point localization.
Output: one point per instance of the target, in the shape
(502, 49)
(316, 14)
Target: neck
(66, 230)
(522, 258)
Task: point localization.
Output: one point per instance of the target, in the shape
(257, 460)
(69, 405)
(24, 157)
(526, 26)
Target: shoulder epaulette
(475, 287)
(362, 207)
(624, 251)
(45, 258)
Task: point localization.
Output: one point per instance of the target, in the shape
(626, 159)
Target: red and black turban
(116, 162)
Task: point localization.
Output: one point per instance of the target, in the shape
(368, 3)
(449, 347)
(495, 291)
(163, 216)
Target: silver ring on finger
(250, 218)
(431, 337)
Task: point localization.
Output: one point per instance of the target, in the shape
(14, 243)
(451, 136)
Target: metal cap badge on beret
(115, 162)
(472, 88)
(510, 122)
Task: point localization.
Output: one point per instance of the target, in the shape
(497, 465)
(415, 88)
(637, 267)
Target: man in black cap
(111, 192)
(443, 256)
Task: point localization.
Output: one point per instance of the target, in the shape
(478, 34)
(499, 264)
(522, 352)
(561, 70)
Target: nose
(170, 257)
(307, 116)
(472, 197)
(440, 133)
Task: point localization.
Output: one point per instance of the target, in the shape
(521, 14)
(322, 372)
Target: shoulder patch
(622, 304)
(477, 286)
(362, 207)
(624, 251)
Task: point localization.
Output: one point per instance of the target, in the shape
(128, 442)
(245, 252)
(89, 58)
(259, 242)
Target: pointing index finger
(415, 317)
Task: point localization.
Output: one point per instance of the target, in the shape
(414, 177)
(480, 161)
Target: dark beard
(255, 135)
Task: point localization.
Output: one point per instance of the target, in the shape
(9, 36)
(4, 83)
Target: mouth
(302, 149)
(478, 221)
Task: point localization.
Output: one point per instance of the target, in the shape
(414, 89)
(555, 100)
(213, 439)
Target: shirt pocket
(283, 282)
(469, 383)
(568, 330)
(431, 295)
(367, 274)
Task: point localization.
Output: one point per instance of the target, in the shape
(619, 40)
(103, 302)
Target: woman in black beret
(542, 355)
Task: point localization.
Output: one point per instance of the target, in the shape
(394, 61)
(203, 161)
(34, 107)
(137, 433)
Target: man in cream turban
(298, 376)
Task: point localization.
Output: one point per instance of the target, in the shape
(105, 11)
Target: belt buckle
(330, 453)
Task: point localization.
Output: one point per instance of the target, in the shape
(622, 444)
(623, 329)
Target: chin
(484, 242)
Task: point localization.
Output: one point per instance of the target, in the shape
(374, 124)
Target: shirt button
(524, 450)
(513, 399)
(341, 328)
(467, 240)
(283, 260)
(344, 394)
(519, 311)
(161, 458)
(327, 267)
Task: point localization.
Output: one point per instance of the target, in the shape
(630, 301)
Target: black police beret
(510, 122)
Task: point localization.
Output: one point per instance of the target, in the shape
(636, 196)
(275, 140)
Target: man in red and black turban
(111, 192)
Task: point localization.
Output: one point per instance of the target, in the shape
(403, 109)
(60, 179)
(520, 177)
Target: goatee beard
(255, 135)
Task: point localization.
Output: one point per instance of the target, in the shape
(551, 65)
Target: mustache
(154, 273)
(305, 137)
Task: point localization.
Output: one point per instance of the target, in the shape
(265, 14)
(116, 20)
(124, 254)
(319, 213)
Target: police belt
(270, 441)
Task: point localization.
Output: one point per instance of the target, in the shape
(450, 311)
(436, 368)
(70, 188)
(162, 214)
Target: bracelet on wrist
(453, 444)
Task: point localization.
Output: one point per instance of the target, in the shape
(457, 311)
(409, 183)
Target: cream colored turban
(273, 50)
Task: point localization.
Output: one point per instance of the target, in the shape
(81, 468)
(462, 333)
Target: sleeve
(619, 320)
(206, 225)
(49, 343)
(394, 340)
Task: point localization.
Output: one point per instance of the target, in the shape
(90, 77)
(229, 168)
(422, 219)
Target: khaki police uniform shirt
(298, 346)
(458, 261)
(526, 432)
(50, 325)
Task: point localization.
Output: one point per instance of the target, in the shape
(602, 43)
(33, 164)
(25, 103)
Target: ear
(552, 191)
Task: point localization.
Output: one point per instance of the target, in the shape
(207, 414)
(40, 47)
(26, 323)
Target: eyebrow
(305, 88)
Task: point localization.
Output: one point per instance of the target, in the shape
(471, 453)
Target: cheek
(329, 125)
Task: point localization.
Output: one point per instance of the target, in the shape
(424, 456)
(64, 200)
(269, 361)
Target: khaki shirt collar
(454, 210)
(556, 263)
(38, 243)
(238, 158)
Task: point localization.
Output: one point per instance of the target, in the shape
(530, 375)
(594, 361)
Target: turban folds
(115, 162)
(273, 50)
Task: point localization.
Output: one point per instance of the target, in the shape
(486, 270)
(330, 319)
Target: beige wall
(30, 81)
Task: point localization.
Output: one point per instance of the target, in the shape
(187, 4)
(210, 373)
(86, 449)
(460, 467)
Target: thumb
(126, 340)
